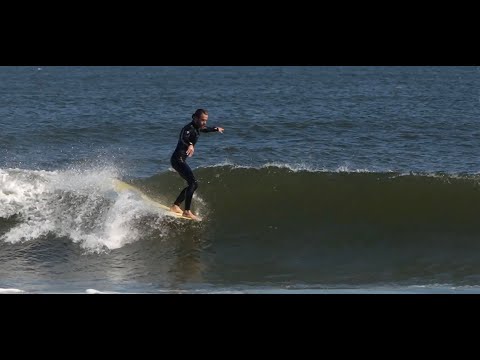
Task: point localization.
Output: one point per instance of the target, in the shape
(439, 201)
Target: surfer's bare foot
(188, 213)
(176, 209)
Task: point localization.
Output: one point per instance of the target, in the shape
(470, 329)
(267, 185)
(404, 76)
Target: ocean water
(326, 180)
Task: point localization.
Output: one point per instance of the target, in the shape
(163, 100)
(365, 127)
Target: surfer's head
(200, 117)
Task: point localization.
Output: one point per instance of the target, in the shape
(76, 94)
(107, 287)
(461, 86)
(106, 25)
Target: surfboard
(121, 186)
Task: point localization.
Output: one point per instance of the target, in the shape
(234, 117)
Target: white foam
(346, 169)
(343, 168)
(93, 291)
(79, 204)
(293, 167)
(11, 291)
(18, 187)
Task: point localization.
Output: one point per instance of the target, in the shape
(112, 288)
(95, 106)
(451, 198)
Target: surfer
(185, 148)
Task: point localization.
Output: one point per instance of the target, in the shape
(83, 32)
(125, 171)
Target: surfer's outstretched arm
(212, 129)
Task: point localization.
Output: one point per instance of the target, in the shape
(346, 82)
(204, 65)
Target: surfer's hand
(190, 150)
(220, 130)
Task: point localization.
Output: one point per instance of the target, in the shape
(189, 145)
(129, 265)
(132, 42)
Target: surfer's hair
(199, 112)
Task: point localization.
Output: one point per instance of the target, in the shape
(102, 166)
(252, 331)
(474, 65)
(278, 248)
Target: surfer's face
(202, 121)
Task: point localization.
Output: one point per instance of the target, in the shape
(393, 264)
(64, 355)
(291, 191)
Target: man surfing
(185, 148)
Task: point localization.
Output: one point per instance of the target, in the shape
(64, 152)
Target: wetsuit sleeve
(209, 129)
(185, 136)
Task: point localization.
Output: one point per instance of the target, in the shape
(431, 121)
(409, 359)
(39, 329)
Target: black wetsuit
(188, 136)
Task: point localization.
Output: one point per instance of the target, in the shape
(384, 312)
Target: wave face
(279, 222)
(352, 203)
(267, 225)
